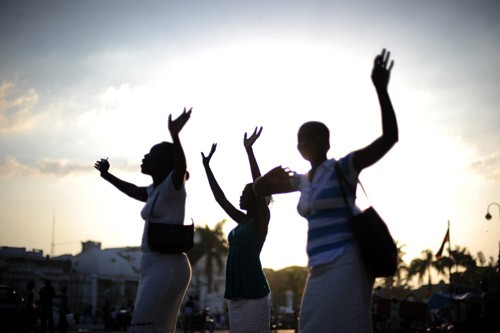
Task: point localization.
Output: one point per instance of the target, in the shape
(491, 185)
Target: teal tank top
(245, 278)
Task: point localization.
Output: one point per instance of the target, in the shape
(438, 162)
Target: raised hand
(175, 126)
(279, 174)
(248, 142)
(206, 160)
(102, 165)
(275, 181)
(382, 70)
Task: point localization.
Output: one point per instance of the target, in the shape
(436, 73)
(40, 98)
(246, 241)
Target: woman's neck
(314, 166)
(159, 178)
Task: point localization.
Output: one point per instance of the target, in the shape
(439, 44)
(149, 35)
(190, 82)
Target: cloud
(489, 166)
(10, 167)
(16, 111)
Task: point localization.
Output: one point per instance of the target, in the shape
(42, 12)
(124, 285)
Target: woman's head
(247, 198)
(30, 285)
(160, 159)
(313, 140)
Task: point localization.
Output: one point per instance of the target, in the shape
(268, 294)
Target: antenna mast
(53, 229)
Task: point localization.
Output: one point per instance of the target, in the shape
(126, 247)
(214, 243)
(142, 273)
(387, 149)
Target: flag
(446, 239)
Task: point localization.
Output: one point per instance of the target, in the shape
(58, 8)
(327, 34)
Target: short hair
(167, 151)
(167, 148)
(268, 198)
(319, 128)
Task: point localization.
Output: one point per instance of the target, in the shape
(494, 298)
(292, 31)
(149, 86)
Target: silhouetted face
(313, 140)
(247, 198)
(159, 158)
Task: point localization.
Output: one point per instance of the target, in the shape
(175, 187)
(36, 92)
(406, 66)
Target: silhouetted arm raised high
(377, 149)
(180, 165)
(263, 215)
(219, 195)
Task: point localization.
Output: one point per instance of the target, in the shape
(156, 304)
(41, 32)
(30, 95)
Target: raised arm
(377, 149)
(275, 181)
(180, 165)
(133, 191)
(263, 215)
(248, 142)
(219, 195)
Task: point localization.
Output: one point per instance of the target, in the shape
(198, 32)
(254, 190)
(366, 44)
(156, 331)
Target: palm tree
(400, 279)
(213, 245)
(421, 266)
(463, 258)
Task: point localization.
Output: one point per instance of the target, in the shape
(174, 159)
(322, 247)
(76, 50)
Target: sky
(84, 80)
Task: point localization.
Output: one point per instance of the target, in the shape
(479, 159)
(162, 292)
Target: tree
(289, 278)
(466, 269)
(213, 244)
(462, 258)
(400, 279)
(421, 266)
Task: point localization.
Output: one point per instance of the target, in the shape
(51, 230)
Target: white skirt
(249, 315)
(337, 297)
(163, 284)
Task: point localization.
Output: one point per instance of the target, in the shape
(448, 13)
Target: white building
(96, 274)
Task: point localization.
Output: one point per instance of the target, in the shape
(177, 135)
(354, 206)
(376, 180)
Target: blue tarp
(438, 300)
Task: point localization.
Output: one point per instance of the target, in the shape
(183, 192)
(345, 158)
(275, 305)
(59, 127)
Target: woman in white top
(338, 289)
(164, 277)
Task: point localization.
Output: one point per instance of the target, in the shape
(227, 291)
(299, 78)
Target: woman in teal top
(244, 276)
(246, 285)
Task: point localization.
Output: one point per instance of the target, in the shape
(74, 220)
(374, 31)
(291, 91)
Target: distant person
(63, 310)
(338, 289)
(76, 314)
(394, 318)
(188, 314)
(196, 305)
(46, 301)
(106, 314)
(490, 308)
(247, 288)
(30, 309)
(164, 277)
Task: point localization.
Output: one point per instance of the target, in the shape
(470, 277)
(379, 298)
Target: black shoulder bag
(169, 238)
(377, 247)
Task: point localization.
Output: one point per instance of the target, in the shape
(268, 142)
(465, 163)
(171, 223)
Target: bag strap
(341, 179)
(154, 202)
(341, 174)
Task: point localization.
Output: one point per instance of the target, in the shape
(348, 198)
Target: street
(98, 328)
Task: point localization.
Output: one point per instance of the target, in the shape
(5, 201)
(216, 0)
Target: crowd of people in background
(42, 308)
(390, 314)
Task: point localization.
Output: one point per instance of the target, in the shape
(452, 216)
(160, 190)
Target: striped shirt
(322, 204)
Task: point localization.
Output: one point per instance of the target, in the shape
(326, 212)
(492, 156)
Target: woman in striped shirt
(338, 290)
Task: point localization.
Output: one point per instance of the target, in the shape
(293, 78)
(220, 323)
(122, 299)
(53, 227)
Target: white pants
(249, 315)
(337, 297)
(164, 281)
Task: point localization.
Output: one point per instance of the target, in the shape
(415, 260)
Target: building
(97, 274)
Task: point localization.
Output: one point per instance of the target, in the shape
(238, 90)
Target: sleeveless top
(245, 278)
(165, 204)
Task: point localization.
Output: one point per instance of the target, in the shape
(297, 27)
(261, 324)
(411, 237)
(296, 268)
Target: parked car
(11, 309)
